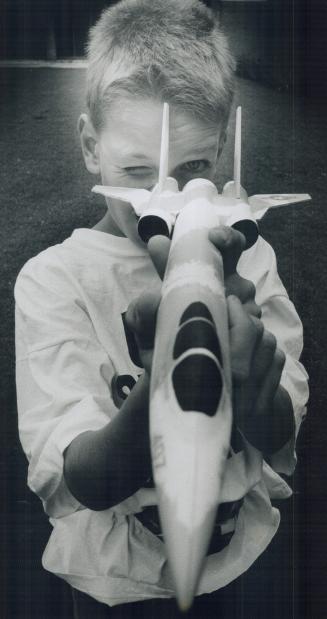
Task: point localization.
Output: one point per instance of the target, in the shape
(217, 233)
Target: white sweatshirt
(73, 369)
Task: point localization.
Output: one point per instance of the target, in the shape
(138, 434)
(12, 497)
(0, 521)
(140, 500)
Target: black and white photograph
(163, 182)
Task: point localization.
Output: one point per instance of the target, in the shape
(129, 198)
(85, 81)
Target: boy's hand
(231, 244)
(141, 314)
(262, 409)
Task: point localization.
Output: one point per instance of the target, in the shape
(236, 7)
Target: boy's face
(126, 152)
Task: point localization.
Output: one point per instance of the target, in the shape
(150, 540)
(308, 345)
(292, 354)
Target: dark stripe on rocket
(197, 378)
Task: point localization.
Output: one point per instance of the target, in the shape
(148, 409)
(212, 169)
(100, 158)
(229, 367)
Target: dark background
(279, 42)
(45, 194)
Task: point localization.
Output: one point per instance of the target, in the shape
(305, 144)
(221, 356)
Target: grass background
(45, 194)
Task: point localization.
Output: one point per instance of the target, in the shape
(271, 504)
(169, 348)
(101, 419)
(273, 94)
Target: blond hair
(171, 50)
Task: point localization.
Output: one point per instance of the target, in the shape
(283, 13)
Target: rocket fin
(262, 202)
(138, 198)
(164, 150)
(237, 152)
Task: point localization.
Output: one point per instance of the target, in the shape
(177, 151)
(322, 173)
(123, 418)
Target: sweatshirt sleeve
(280, 318)
(63, 376)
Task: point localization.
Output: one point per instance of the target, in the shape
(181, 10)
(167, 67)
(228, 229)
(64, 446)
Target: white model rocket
(190, 398)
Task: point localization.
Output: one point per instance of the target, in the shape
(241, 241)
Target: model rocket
(190, 394)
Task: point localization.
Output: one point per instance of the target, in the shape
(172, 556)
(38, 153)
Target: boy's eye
(197, 166)
(138, 171)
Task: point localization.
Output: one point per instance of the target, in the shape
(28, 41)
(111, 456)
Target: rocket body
(190, 399)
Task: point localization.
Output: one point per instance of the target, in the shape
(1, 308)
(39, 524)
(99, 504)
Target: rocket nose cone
(187, 547)
(184, 601)
(186, 585)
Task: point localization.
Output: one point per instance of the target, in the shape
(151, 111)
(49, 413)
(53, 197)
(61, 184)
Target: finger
(257, 421)
(269, 385)
(141, 318)
(263, 357)
(158, 247)
(244, 335)
(240, 287)
(252, 309)
(230, 243)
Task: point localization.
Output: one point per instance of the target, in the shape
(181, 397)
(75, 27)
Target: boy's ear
(89, 144)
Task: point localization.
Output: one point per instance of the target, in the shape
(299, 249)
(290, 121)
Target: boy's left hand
(262, 408)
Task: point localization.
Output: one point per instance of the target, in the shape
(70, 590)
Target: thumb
(244, 334)
(141, 318)
(158, 248)
(230, 243)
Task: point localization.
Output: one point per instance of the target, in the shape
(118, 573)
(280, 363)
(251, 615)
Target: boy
(84, 345)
